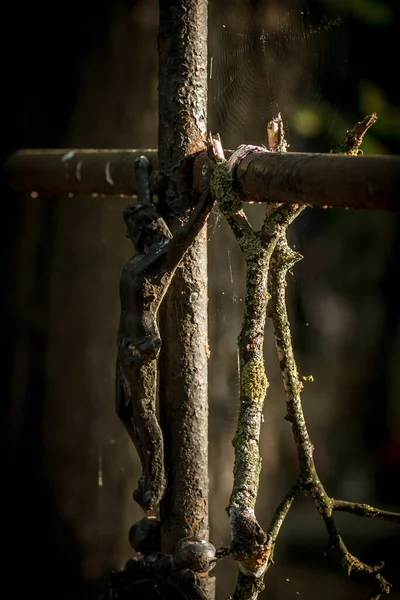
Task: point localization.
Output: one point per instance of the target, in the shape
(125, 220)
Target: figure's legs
(123, 407)
(144, 388)
(143, 380)
(135, 406)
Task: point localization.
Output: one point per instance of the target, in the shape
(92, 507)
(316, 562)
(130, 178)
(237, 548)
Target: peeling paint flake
(78, 170)
(108, 173)
(68, 156)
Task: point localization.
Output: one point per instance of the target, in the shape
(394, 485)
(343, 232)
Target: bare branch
(354, 137)
(365, 510)
(248, 586)
(276, 136)
(281, 512)
(222, 188)
(250, 545)
(282, 260)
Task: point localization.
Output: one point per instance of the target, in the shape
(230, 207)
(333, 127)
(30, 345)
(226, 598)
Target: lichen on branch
(268, 259)
(250, 545)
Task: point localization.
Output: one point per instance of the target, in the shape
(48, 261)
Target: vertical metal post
(183, 318)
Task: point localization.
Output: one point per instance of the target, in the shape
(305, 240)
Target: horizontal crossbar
(58, 172)
(325, 180)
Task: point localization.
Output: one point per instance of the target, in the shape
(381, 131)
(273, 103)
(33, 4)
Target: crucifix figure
(143, 283)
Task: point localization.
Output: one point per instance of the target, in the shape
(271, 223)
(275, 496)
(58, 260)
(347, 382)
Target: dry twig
(268, 259)
(250, 545)
(282, 261)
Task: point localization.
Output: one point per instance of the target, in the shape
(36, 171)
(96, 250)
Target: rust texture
(321, 179)
(183, 319)
(370, 182)
(183, 400)
(182, 95)
(74, 171)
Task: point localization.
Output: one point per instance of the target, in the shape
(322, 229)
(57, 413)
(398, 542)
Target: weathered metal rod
(74, 171)
(369, 181)
(336, 180)
(183, 391)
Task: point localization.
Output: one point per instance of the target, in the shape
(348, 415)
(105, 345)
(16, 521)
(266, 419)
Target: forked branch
(325, 505)
(282, 261)
(268, 259)
(250, 545)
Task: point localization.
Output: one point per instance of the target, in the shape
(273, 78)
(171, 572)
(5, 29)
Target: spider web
(268, 59)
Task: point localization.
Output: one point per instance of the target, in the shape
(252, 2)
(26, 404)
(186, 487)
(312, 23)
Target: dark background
(85, 75)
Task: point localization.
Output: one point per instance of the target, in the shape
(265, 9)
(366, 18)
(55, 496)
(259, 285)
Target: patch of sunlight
(372, 99)
(371, 145)
(306, 121)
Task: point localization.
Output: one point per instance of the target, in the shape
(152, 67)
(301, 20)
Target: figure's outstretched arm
(186, 234)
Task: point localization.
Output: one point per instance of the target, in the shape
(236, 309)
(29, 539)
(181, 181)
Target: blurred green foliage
(373, 12)
(369, 83)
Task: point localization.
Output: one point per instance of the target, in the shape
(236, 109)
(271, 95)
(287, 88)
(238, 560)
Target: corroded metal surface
(371, 182)
(74, 171)
(183, 319)
(338, 180)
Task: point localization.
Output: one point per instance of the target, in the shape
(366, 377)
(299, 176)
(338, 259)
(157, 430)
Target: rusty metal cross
(179, 177)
